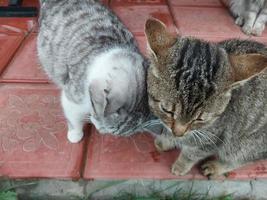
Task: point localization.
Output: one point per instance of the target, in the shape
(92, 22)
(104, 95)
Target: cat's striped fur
(86, 50)
(251, 15)
(212, 96)
(196, 84)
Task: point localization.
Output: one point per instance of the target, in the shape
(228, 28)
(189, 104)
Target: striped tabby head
(189, 80)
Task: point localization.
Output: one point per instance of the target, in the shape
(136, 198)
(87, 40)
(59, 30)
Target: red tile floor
(32, 127)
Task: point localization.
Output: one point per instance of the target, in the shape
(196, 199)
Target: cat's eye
(199, 118)
(166, 110)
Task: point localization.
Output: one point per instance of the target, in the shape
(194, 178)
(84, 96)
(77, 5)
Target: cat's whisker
(194, 137)
(213, 135)
(225, 143)
(207, 138)
(199, 139)
(203, 135)
(133, 140)
(148, 125)
(151, 123)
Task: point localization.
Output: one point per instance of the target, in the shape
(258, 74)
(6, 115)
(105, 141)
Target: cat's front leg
(164, 143)
(239, 21)
(182, 165)
(75, 115)
(187, 159)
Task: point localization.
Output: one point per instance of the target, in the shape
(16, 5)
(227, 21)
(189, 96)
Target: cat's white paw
(258, 29)
(162, 145)
(239, 21)
(247, 29)
(75, 136)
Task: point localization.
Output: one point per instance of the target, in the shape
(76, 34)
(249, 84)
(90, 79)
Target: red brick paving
(33, 137)
(134, 16)
(193, 21)
(109, 157)
(32, 127)
(196, 3)
(9, 45)
(24, 67)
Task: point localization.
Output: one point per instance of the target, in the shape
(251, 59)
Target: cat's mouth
(177, 130)
(180, 130)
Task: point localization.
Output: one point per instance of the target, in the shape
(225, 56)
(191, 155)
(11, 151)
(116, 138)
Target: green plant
(8, 195)
(7, 189)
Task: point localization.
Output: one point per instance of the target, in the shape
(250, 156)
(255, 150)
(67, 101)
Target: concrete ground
(101, 190)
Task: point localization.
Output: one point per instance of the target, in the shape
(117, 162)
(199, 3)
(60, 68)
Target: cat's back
(250, 95)
(245, 117)
(255, 88)
(74, 32)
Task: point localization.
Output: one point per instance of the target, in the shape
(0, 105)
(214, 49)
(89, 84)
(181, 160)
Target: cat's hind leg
(75, 115)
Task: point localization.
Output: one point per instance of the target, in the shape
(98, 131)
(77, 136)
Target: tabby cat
(251, 15)
(212, 98)
(86, 50)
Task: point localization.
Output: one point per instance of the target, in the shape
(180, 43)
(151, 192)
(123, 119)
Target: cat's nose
(179, 130)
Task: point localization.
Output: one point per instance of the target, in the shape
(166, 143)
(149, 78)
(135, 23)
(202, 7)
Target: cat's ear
(158, 36)
(108, 96)
(247, 65)
(98, 96)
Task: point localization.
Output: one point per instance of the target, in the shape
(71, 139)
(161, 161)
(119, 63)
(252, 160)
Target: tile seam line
(193, 6)
(172, 16)
(85, 152)
(223, 4)
(15, 52)
(26, 81)
(13, 55)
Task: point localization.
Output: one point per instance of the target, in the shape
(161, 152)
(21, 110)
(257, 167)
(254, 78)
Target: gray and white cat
(251, 15)
(94, 59)
(212, 97)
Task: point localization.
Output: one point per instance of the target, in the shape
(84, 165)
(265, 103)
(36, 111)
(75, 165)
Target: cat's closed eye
(166, 110)
(199, 118)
